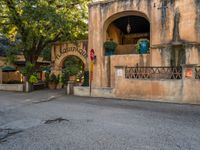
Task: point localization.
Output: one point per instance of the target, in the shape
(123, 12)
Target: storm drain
(6, 133)
(56, 120)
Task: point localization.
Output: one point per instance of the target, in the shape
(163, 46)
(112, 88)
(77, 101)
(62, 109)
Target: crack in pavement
(6, 133)
(47, 100)
(56, 120)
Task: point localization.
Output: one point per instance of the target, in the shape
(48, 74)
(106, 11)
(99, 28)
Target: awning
(8, 69)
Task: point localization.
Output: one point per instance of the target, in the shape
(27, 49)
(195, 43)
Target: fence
(154, 72)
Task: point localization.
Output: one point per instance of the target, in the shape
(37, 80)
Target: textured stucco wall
(174, 31)
(176, 91)
(127, 60)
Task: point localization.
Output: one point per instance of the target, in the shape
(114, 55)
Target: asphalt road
(50, 120)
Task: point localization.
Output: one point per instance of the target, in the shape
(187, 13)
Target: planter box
(59, 86)
(52, 86)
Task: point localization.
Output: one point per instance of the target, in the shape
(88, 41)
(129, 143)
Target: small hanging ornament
(128, 28)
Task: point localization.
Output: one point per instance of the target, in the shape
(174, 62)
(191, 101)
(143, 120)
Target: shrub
(33, 79)
(110, 45)
(86, 78)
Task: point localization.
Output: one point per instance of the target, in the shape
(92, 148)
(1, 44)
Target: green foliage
(28, 70)
(8, 49)
(53, 78)
(73, 66)
(86, 78)
(138, 45)
(110, 45)
(46, 53)
(33, 79)
(65, 77)
(60, 78)
(37, 23)
(4, 46)
(72, 71)
(47, 76)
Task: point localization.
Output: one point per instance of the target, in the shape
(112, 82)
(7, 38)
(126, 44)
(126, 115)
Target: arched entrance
(73, 69)
(75, 54)
(126, 28)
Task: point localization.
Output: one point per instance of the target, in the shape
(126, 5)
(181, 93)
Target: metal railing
(153, 73)
(197, 72)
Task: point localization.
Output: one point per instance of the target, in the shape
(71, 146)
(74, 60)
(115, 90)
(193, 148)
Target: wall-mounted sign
(81, 51)
(188, 73)
(119, 72)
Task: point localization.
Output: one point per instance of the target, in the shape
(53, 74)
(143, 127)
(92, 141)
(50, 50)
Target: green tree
(8, 49)
(46, 53)
(37, 23)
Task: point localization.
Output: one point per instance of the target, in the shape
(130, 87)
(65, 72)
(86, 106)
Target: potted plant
(60, 80)
(72, 72)
(110, 47)
(52, 81)
(32, 80)
(142, 46)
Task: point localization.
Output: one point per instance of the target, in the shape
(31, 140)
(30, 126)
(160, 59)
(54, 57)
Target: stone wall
(12, 87)
(96, 92)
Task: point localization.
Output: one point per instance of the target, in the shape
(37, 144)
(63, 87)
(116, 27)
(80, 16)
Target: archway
(126, 28)
(64, 51)
(73, 69)
(116, 29)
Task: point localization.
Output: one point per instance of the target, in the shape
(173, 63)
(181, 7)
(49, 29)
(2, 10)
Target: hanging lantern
(128, 28)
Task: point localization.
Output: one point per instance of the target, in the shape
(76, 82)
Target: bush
(110, 45)
(47, 76)
(60, 79)
(86, 78)
(33, 79)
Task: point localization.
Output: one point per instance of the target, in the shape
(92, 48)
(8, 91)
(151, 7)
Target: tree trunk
(33, 60)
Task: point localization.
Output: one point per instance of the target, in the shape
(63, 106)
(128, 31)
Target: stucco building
(169, 72)
(173, 29)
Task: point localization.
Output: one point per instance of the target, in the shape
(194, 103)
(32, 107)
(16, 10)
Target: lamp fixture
(128, 28)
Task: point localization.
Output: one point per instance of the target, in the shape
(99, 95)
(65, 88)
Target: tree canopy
(37, 23)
